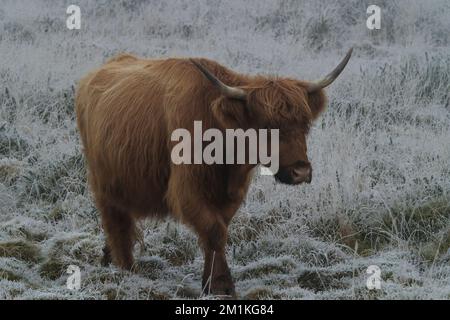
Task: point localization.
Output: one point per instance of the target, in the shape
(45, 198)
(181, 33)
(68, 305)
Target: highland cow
(126, 112)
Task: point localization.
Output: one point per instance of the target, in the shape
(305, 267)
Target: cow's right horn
(227, 91)
(313, 87)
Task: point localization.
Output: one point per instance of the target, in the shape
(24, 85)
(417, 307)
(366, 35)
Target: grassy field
(381, 153)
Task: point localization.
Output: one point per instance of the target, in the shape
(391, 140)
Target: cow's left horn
(332, 76)
(227, 91)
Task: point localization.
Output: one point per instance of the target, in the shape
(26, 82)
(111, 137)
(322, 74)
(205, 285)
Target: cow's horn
(227, 91)
(331, 77)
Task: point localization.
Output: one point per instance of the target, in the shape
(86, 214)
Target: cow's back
(122, 121)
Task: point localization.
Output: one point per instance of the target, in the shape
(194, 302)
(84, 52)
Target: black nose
(296, 175)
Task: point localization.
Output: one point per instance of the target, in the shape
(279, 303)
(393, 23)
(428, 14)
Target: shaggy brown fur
(126, 113)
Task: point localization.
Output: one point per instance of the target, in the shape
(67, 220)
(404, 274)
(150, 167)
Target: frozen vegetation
(381, 153)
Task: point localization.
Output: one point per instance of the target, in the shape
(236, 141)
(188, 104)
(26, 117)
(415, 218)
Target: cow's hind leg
(119, 227)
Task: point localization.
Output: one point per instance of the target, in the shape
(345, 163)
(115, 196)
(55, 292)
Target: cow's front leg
(217, 278)
(216, 274)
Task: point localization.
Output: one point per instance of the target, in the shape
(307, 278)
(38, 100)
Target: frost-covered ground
(381, 153)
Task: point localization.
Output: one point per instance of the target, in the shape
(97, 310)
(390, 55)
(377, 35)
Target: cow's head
(276, 103)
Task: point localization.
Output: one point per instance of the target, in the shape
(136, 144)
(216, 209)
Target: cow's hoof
(106, 259)
(223, 287)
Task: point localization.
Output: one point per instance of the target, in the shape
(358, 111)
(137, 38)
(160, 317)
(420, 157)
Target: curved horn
(227, 91)
(330, 77)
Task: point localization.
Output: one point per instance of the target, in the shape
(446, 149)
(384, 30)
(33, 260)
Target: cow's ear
(317, 102)
(231, 113)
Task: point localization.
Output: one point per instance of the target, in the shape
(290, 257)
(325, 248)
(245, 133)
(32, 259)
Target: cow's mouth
(294, 175)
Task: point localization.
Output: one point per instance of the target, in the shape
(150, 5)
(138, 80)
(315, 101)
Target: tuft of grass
(78, 247)
(361, 293)
(20, 249)
(249, 227)
(151, 267)
(54, 181)
(60, 109)
(12, 144)
(177, 247)
(321, 280)
(260, 293)
(317, 32)
(34, 236)
(114, 293)
(9, 171)
(154, 295)
(56, 214)
(9, 105)
(417, 224)
(177, 256)
(355, 235)
(105, 277)
(9, 275)
(265, 267)
(52, 268)
(424, 227)
(187, 292)
(437, 247)
(86, 250)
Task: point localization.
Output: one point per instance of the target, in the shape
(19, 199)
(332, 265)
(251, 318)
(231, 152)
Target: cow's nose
(302, 174)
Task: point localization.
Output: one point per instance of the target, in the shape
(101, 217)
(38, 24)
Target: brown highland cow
(126, 112)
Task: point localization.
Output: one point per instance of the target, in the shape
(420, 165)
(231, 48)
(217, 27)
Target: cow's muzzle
(295, 174)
